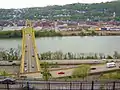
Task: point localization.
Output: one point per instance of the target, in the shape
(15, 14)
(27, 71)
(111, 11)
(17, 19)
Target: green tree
(45, 71)
(70, 55)
(82, 71)
(113, 75)
(4, 73)
(93, 32)
(109, 57)
(116, 55)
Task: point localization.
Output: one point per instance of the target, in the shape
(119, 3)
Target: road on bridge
(29, 59)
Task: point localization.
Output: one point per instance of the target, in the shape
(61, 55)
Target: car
(14, 64)
(32, 66)
(104, 59)
(96, 61)
(110, 64)
(25, 65)
(92, 68)
(23, 77)
(61, 72)
(10, 61)
(25, 69)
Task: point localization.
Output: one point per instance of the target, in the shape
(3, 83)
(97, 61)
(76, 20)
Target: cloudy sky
(40, 3)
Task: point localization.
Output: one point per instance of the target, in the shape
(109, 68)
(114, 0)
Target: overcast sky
(40, 3)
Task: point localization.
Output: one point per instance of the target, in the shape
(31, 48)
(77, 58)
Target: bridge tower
(28, 23)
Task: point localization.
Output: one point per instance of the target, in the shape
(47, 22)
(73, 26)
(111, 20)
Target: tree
(4, 73)
(45, 72)
(93, 32)
(70, 55)
(113, 75)
(101, 55)
(116, 55)
(82, 71)
(109, 57)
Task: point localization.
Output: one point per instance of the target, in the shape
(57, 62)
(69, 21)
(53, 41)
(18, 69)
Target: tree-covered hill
(76, 11)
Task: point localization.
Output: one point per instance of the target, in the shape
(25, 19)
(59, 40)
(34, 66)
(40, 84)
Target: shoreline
(18, 33)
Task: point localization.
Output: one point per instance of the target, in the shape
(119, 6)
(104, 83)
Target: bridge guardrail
(23, 52)
(35, 50)
(62, 85)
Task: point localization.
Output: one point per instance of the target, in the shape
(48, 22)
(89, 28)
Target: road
(69, 71)
(29, 59)
(82, 61)
(64, 62)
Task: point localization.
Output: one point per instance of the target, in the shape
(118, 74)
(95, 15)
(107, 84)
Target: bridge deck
(30, 61)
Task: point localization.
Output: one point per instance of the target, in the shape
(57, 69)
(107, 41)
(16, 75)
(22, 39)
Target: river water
(76, 44)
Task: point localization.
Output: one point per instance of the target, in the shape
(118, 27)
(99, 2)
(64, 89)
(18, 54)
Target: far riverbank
(44, 33)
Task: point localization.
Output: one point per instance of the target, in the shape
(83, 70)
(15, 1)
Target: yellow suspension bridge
(30, 65)
(29, 60)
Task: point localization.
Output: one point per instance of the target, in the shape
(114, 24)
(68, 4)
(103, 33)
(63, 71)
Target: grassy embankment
(107, 76)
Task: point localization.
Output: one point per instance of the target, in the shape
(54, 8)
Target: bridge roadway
(29, 59)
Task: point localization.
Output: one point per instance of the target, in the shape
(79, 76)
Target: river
(76, 44)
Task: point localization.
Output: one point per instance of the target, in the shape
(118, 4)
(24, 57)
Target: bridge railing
(23, 52)
(28, 30)
(35, 50)
(62, 85)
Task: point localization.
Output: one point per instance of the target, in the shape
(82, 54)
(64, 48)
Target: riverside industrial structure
(61, 25)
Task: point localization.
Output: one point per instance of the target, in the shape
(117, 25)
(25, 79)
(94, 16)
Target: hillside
(76, 11)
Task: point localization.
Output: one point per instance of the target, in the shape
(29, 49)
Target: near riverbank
(18, 33)
(15, 54)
